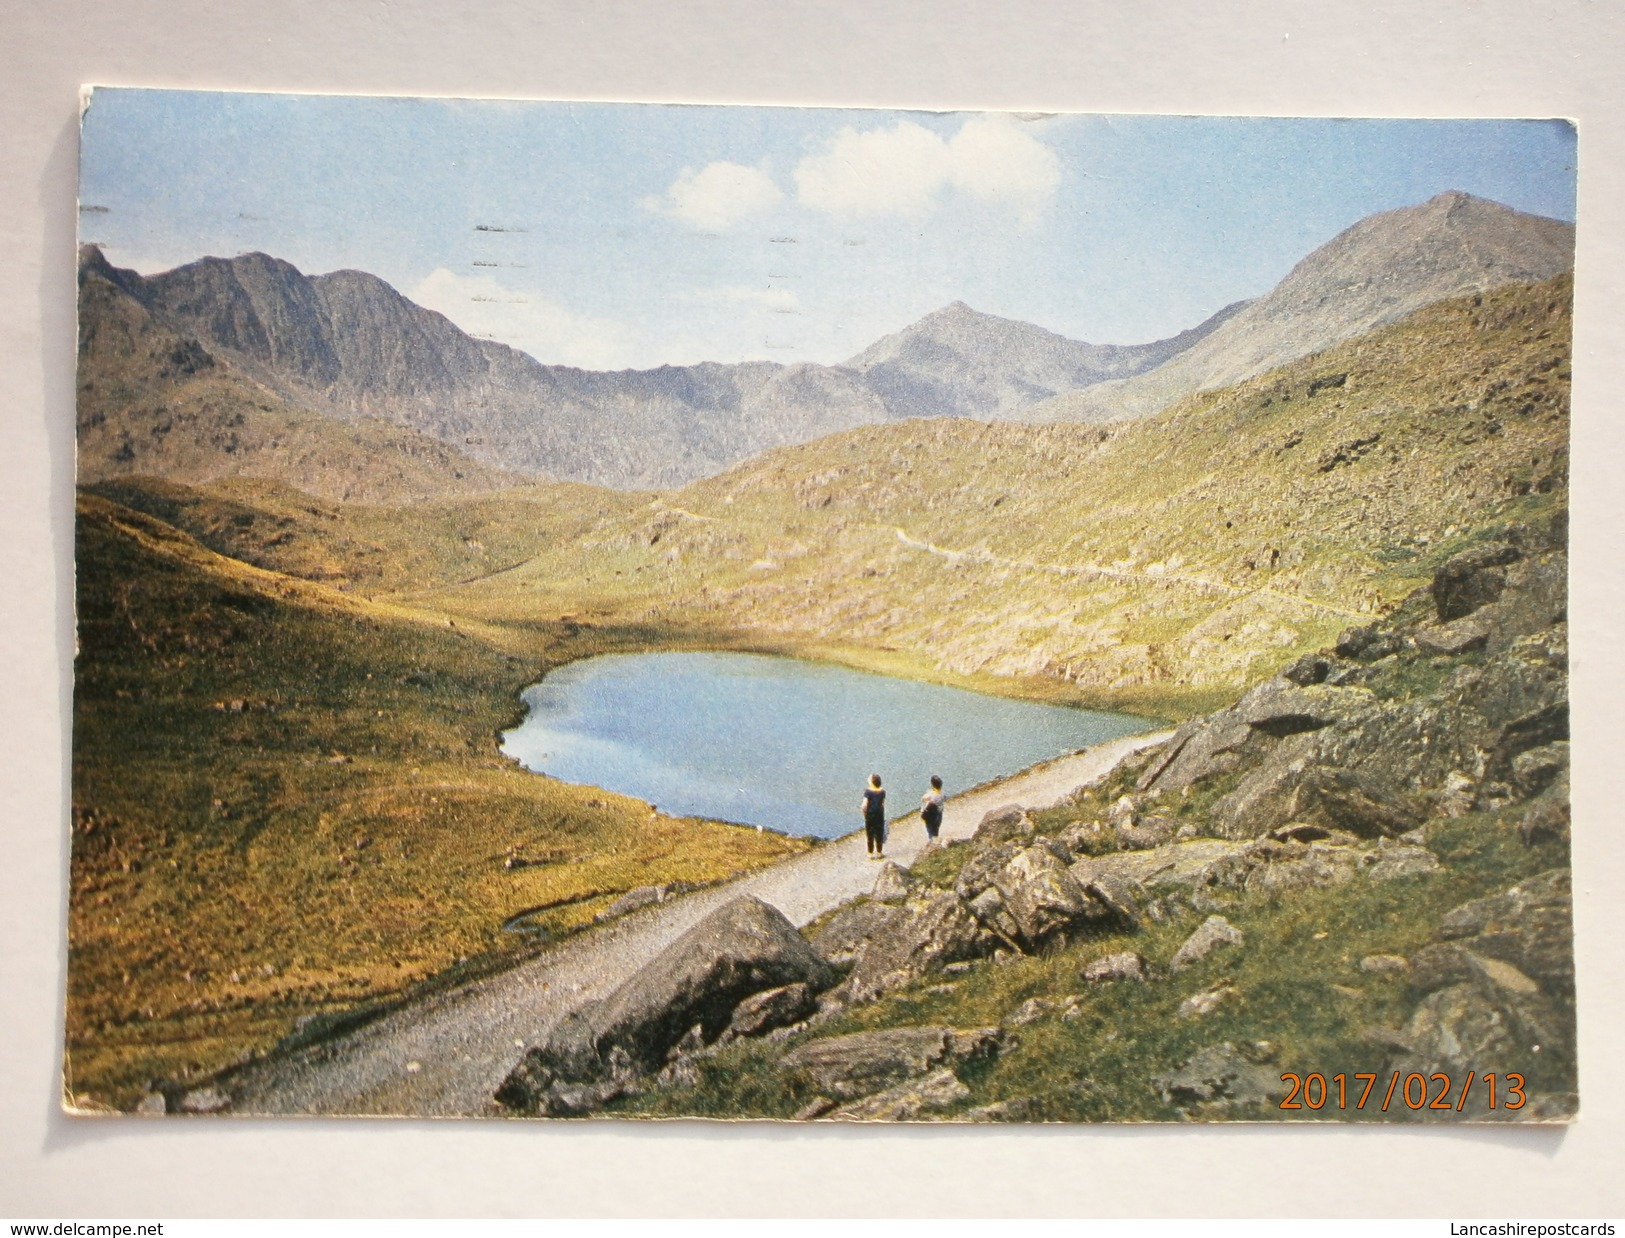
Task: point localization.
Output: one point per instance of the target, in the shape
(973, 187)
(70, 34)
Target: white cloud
(483, 306)
(904, 170)
(718, 196)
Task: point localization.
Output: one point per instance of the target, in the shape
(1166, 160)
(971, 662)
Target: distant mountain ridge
(349, 347)
(1376, 272)
(958, 362)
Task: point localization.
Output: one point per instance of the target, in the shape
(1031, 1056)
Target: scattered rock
(1457, 796)
(1355, 801)
(1118, 895)
(1274, 868)
(892, 885)
(1547, 817)
(634, 900)
(907, 1100)
(847, 1067)
(989, 909)
(1219, 1077)
(1393, 860)
(1206, 1002)
(772, 1008)
(205, 1100)
(1126, 965)
(1213, 932)
(1385, 964)
(1529, 925)
(1030, 1011)
(1084, 838)
(983, 868)
(1537, 768)
(152, 1105)
(1143, 833)
(1278, 707)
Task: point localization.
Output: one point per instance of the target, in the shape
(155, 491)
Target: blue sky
(617, 235)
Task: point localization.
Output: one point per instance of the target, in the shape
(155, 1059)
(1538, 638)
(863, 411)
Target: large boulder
(860, 1064)
(1535, 599)
(983, 868)
(738, 950)
(1300, 790)
(1041, 895)
(1497, 981)
(848, 932)
(1008, 824)
(934, 933)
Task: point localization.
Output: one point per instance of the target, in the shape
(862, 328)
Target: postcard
(629, 611)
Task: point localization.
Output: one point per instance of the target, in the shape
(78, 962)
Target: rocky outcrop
(1497, 993)
(691, 989)
(935, 932)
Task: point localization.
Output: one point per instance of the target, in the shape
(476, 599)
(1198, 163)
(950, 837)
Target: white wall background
(1281, 57)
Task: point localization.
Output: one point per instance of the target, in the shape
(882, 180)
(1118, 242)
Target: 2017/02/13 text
(1414, 1091)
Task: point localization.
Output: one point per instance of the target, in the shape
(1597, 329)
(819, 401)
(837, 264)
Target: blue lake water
(779, 742)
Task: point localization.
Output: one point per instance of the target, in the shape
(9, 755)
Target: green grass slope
(287, 800)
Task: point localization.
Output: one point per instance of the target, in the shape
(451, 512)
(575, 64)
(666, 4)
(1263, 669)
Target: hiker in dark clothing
(874, 816)
(931, 807)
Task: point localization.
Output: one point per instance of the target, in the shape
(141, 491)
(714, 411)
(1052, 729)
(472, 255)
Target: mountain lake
(779, 742)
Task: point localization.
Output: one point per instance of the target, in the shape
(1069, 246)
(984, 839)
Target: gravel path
(443, 1056)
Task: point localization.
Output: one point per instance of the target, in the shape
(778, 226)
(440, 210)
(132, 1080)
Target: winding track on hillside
(444, 1055)
(1115, 573)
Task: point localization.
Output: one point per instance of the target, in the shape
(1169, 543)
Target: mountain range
(339, 385)
(1374, 273)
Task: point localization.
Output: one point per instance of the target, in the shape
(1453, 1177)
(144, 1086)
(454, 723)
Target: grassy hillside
(286, 800)
(1161, 564)
(370, 548)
